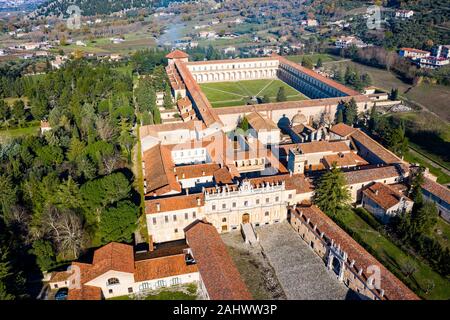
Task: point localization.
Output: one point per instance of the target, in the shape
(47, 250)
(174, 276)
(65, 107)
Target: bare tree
(66, 230)
(110, 162)
(429, 286)
(409, 269)
(105, 129)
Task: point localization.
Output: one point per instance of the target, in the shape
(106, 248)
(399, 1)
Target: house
(116, 271)
(345, 42)
(45, 126)
(441, 51)
(385, 202)
(404, 14)
(440, 195)
(433, 62)
(413, 54)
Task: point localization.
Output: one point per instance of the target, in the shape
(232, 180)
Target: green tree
(118, 222)
(394, 94)
(45, 255)
(156, 116)
(396, 139)
(265, 99)
(340, 116)
(319, 63)
(307, 63)
(244, 125)
(8, 195)
(350, 112)
(168, 103)
(425, 218)
(331, 194)
(4, 110)
(18, 110)
(281, 95)
(373, 119)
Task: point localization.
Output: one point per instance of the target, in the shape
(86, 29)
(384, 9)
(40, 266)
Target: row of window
(175, 217)
(233, 66)
(246, 203)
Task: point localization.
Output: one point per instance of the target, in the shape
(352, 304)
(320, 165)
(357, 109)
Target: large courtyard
(237, 93)
(282, 266)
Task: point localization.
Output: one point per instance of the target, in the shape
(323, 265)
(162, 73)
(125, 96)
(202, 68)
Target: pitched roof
(60, 276)
(437, 189)
(258, 122)
(381, 152)
(383, 195)
(393, 288)
(196, 170)
(345, 160)
(174, 203)
(371, 174)
(219, 274)
(162, 267)
(343, 130)
(177, 54)
(323, 146)
(114, 256)
(85, 293)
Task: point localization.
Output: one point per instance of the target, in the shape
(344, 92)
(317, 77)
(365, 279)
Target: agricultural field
(227, 94)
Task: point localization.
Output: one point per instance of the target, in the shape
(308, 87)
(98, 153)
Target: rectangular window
(130, 290)
(176, 230)
(267, 200)
(224, 206)
(166, 219)
(186, 216)
(213, 207)
(174, 217)
(257, 201)
(193, 215)
(234, 204)
(277, 199)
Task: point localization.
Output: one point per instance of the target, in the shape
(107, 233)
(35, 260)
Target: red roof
(343, 130)
(384, 195)
(115, 256)
(394, 289)
(177, 54)
(219, 274)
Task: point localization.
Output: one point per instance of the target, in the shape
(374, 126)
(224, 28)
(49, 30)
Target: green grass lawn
(225, 94)
(442, 177)
(314, 57)
(395, 258)
(442, 232)
(188, 292)
(14, 133)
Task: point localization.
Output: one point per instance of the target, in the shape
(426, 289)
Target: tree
(307, 63)
(45, 256)
(340, 116)
(156, 116)
(7, 195)
(425, 218)
(244, 125)
(4, 110)
(281, 95)
(417, 180)
(408, 269)
(332, 195)
(350, 112)
(118, 222)
(265, 99)
(167, 102)
(373, 119)
(394, 94)
(396, 139)
(319, 63)
(18, 110)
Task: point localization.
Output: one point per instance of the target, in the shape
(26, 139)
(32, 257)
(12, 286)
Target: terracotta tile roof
(219, 274)
(163, 267)
(383, 195)
(414, 50)
(323, 146)
(184, 103)
(258, 122)
(381, 152)
(177, 54)
(114, 256)
(196, 170)
(371, 174)
(319, 77)
(289, 105)
(174, 203)
(202, 104)
(85, 293)
(342, 129)
(158, 172)
(60, 276)
(393, 288)
(345, 160)
(223, 176)
(437, 189)
(296, 182)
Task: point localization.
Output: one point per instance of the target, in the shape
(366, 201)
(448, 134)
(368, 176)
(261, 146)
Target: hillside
(95, 7)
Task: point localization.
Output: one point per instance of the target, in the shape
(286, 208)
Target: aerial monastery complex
(204, 176)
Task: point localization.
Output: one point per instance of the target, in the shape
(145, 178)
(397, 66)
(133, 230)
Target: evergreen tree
(265, 99)
(156, 116)
(373, 119)
(281, 95)
(118, 223)
(244, 125)
(340, 116)
(168, 103)
(332, 195)
(307, 63)
(394, 94)
(319, 63)
(425, 218)
(351, 112)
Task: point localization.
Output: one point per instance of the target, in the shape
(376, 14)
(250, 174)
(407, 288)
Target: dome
(299, 118)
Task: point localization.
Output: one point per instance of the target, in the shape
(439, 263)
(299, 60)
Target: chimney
(158, 207)
(199, 201)
(376, 192)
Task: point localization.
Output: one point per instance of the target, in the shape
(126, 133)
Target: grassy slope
(314, 57)
(394, 258)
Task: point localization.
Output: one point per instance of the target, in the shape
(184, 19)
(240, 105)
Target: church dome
(299, 118)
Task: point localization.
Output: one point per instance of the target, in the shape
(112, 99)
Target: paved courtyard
(295, 268)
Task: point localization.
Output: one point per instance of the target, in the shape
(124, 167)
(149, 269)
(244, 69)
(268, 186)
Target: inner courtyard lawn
(226, 94)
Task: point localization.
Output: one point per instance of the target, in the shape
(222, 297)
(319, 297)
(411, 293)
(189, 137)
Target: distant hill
(96, 7)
